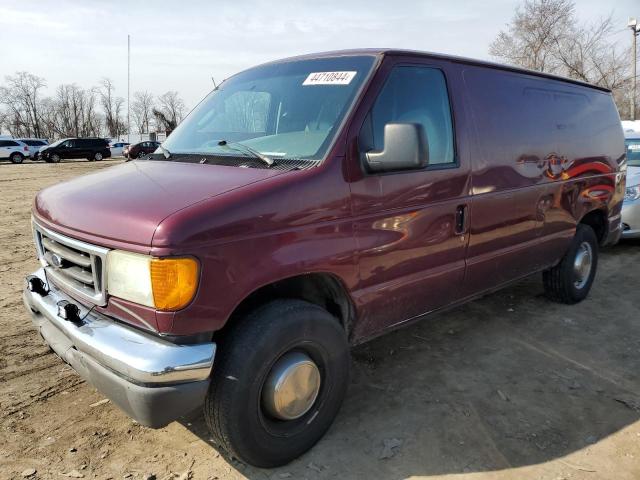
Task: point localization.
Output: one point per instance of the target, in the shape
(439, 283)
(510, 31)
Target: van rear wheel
(278, 382)
(570, 281)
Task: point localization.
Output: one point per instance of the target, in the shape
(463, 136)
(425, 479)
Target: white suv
(34, 145)
(14, 150)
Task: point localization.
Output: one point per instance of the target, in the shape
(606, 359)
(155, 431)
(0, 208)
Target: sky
(180, 45)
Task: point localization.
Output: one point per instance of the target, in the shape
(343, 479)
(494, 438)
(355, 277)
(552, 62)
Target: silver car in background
(631, 206)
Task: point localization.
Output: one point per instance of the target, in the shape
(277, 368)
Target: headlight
(162, 283)
(632, 193)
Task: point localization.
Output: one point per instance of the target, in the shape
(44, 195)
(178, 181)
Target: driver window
(67, 144)
(413, 95)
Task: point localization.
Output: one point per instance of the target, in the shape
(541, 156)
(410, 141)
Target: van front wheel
(278, 382)
(570, 281)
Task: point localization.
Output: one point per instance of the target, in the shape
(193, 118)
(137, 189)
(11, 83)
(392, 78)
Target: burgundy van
(310, 204)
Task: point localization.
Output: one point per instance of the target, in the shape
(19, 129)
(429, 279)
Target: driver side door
(410, 225)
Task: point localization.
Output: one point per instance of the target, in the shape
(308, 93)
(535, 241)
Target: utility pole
(635, 28)
(128, 86)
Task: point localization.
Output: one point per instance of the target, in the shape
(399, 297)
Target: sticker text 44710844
(329, 78)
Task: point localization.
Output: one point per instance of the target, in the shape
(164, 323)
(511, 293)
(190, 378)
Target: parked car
(89, 148)
(141, 149)
(631, 206)
(308, 205)
(34, 145)
(14, 150)
(117, 148)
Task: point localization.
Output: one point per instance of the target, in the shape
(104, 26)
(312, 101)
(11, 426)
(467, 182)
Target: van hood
(125, 203)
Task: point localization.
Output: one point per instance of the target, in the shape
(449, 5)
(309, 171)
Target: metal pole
(633, 72)
(128, 86)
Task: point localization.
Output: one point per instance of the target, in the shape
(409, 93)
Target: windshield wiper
(244, 148)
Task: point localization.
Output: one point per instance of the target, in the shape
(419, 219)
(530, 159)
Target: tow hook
(36, 285)
(68, 311)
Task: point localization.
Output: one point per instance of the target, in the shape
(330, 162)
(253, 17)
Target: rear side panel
(547, 152)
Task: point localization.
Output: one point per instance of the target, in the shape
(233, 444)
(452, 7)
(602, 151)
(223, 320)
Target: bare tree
(546, 35)
(21, 99)
(142, 110)
(112, 107)
(75, 112)
(588, 55)
(533, 34)
(170, 110)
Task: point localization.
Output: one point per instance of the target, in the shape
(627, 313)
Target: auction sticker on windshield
(329, 78)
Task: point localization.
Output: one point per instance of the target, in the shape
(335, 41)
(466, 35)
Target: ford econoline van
(310, 204)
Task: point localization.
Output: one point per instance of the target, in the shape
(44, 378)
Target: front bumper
(631, 219)
(154, 381)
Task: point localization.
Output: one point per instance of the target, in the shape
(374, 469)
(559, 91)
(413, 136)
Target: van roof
(454, 58)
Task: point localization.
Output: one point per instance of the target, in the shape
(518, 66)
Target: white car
(14, 150)
(116, 148)
(631, 205)
(34, 144)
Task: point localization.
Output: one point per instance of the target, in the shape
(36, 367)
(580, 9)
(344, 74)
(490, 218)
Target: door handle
(461, 220)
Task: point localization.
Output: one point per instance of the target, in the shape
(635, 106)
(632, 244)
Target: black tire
(98, 156)
(233, 408)
(562, 283)
(16, 157)
(55, 158)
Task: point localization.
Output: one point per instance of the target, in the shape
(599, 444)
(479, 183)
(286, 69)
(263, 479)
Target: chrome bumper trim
(132, 354)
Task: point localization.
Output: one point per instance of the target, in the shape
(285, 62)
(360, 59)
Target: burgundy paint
(389, 239)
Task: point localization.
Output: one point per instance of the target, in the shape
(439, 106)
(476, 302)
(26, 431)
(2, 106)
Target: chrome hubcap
(291, 387)
(582, 265)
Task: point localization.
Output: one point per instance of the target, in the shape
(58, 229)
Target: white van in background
(34, 144)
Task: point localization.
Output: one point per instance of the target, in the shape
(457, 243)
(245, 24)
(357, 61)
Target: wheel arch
(320, 288)
(597, 220)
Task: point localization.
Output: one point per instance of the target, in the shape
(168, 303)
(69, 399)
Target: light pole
(635, 28)
(128, 86)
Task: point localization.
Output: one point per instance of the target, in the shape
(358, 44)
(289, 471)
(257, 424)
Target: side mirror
(405, 147)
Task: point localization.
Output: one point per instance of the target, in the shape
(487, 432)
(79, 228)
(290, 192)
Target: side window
(3, 143)
(12, 144)
(413, 95)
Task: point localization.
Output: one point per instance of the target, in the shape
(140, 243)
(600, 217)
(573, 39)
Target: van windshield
(288, 110)
(633, 151)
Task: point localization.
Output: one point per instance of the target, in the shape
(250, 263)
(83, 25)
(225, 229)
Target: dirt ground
(507, 387)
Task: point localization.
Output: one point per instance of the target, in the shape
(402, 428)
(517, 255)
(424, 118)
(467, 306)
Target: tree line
(548, 36)
(73, 111)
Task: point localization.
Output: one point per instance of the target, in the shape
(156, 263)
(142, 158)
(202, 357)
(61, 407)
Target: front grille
(77, 266)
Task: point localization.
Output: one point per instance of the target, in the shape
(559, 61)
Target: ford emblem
(57, 260)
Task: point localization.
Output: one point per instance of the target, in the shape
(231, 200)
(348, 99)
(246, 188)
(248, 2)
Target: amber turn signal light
(174, 282)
